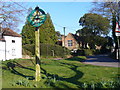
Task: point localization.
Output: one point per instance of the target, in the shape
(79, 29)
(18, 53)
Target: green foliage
(28, 34)
(107, 45)
(109, 10)
(59, 36)
(102, 84)
(88, 52)
(30, 48)
(47, 50)
(95, 24)
(85, 52)
(22, 82)
(26, 52)
(113, 29)
(95, 40)
(47, 33)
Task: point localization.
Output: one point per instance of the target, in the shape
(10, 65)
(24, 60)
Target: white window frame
(70, 43)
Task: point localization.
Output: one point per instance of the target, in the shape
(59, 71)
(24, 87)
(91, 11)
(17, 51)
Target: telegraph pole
(64, 35)
(64, 38)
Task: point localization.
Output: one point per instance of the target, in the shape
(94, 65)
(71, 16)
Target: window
(13, 52)
(13, 41)
(70, 43)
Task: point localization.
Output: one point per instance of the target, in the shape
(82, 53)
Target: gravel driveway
(102, 60)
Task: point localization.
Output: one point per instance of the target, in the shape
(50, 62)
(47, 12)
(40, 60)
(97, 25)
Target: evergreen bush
(47, 50)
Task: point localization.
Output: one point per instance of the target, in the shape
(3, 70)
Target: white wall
(2, 50)
(13, 49)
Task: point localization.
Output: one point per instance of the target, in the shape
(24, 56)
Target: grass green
(67, 73)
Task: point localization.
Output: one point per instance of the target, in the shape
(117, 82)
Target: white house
(10, 45)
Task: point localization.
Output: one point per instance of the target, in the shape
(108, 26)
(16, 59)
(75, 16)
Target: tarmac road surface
(102, 60)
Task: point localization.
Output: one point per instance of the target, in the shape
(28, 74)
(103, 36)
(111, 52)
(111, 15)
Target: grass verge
(67, 73)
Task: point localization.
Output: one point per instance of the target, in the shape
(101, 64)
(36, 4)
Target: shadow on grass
(73, 80)
(11, 66)
(76, 58)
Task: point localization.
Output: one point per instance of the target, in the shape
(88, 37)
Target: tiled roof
(77, 38)
(9, 32)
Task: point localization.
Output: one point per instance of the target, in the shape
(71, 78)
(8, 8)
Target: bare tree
(107, 8)
(110, 9)
(10, 13)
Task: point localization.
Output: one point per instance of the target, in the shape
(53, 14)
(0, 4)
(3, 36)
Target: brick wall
(75, 44)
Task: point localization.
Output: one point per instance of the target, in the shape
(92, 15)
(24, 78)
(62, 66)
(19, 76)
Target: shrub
(47, 50)
(85, 52)
(30, 48)
(26, 52)
(88, 52)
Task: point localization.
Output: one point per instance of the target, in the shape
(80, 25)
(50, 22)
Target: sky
(50, 0)
(63, 14)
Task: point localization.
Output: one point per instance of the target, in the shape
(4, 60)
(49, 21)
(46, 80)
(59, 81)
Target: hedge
(47, 50)
(84, 52)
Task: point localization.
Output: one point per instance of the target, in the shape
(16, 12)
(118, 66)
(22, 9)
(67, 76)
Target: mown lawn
(68, 73)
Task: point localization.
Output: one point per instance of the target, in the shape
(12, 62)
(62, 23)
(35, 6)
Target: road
(102, 60)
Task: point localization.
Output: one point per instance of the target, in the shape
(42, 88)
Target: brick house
(72, 41)
(75, 42)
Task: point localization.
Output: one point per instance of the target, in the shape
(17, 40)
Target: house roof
(76, 37)
(9, 32)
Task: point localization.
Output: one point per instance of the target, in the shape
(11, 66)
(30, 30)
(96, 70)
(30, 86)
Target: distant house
(10, 44)
(75, 42)
(72, 41)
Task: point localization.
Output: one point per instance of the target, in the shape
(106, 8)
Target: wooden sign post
(36, 18)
